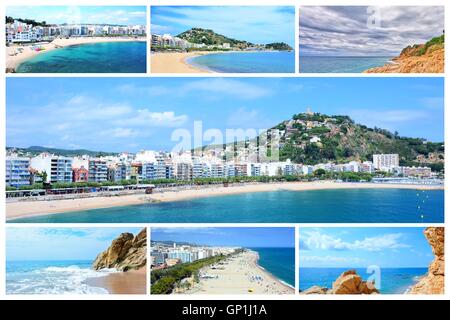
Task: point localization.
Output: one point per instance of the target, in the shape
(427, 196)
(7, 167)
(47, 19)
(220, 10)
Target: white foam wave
(56, 280)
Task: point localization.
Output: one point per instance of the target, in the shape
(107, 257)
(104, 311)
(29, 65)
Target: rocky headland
(126, 252)
(418, 58)
(433, 281)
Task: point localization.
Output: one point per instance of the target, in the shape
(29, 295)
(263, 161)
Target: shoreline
(31, 208)
(14, 59)
(270, 273)
(427, 63)
(176, 62)
(130, 282)
(241, 275)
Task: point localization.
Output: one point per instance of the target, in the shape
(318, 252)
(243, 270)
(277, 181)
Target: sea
(314, 64)
(52, 277)
(106, 57)
(313, 206)
(280, 262)
(246, 62)
(392, 280)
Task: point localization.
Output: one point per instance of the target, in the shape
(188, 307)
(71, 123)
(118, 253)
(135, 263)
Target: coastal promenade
(30, 207)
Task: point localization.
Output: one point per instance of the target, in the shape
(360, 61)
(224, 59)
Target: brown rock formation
(409, 61)
(127, 252)
(349, 282)
(315, 290)
(433, 281)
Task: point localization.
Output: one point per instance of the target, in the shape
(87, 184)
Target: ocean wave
(55, 280)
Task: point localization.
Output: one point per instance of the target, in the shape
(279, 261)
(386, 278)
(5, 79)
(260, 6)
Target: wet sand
(174, 62)
(131, 282)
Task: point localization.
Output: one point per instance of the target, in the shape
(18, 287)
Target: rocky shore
(419, 58)
(433, 282)
(349, 282)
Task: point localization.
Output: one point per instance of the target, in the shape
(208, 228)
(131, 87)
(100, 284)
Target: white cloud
(311, 240)
(348, 30)
(81, 118)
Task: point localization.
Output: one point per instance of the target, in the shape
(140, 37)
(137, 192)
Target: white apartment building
(98, 170)
(385, 161)
(253, 169)
(17, 171)
(58, 168)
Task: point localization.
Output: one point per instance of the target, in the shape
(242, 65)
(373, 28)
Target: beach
(239, 274)
(16, 54)
(175, 62)
(28, 208)
(130, 282)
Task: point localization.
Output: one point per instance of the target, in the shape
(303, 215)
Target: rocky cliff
(433, 281)
(349, 282)
(127, 252)
(419, 58)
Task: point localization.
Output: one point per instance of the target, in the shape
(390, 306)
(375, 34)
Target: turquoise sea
(318, 206)
(107, 57)
(247, 62)
(51, 277)
(278, 261)
(392, 280)
(310, 64)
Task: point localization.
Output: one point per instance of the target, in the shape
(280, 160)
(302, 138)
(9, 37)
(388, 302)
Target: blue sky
(122, 15)
(363, 247)
(131, 114)
(261, 25)
(24, 244)
(232, 237)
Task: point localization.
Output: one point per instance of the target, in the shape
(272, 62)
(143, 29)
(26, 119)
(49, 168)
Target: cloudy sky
(121, 15)
(366, 31)
(25, 244)
(363, 247)
(227, 236)
(263, 24)
(131, 114)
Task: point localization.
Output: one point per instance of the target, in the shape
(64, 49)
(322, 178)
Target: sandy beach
(16, 54)
(131, 282)
(174, 62)
(240, 274)
(27, 208)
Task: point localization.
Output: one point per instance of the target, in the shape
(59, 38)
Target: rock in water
(433, 281)
(349, 282)
(127, 252)
(315, 290)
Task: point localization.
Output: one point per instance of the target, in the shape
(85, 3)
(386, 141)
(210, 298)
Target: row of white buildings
(19, 32)
(151, 165)
(162, 256)
(169, 41)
